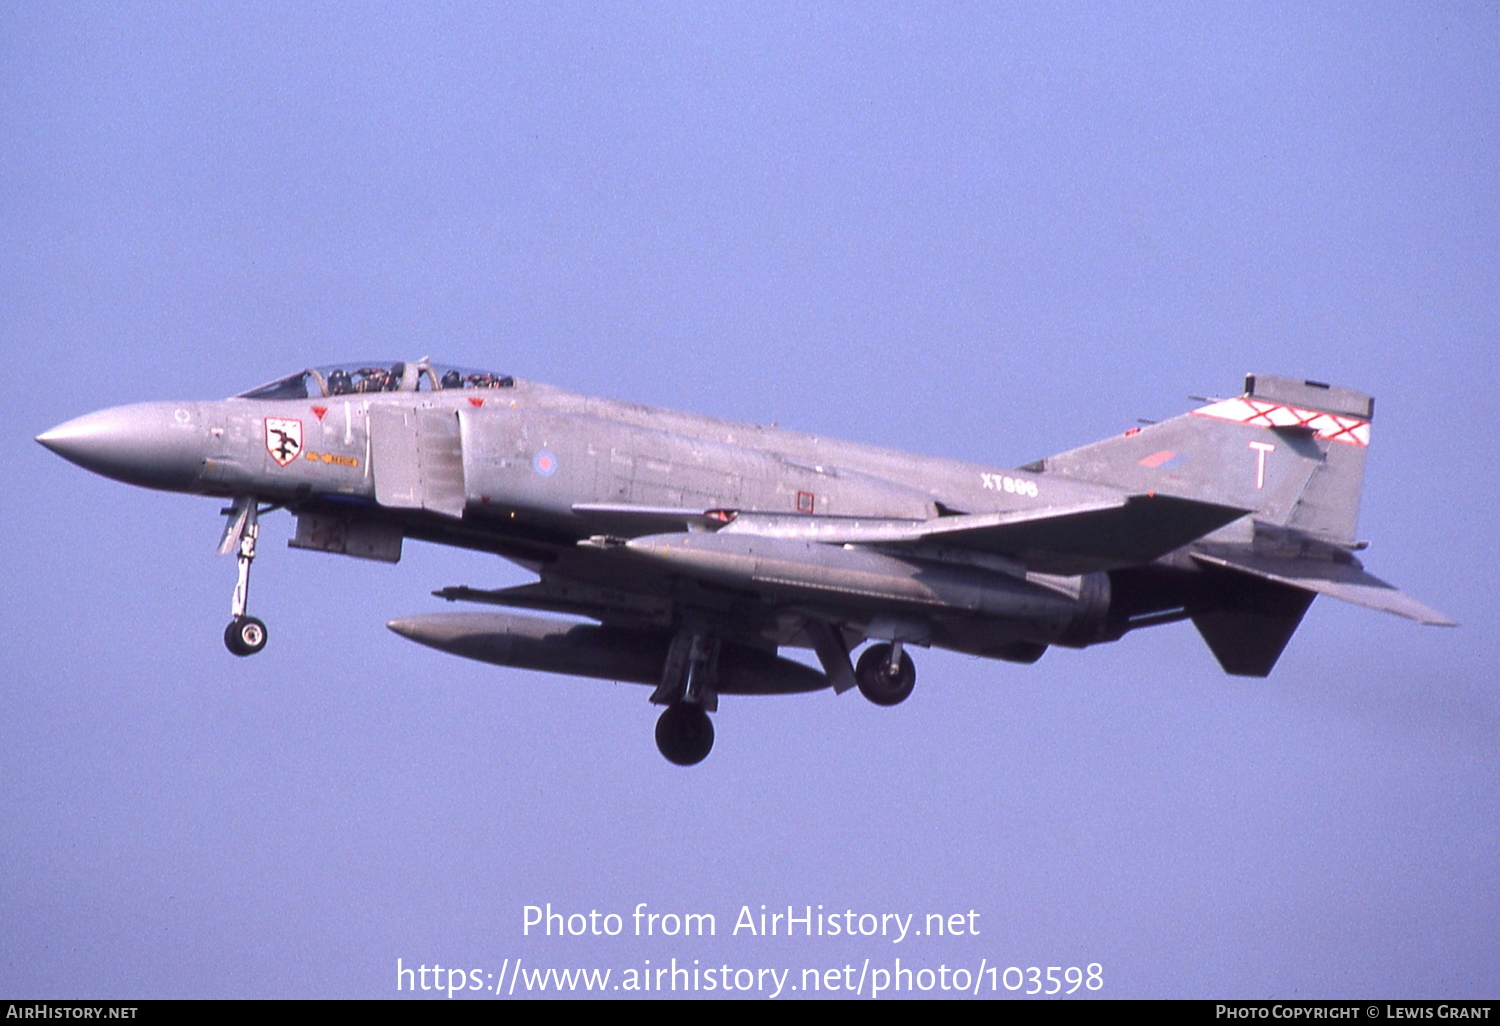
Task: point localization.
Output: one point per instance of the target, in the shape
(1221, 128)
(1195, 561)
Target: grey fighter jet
(688, 551)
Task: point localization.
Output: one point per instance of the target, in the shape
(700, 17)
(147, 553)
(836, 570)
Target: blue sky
(977, 231)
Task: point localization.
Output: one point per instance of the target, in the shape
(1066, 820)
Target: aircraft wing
(1083, 538)
(1347, 581)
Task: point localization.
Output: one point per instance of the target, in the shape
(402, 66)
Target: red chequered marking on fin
(1259, 413)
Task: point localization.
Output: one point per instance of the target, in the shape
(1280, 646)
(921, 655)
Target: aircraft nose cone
(154, 445)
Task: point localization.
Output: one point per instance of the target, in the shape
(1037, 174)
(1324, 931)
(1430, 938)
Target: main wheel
(245, 636)
(684, 734)
(879, 681)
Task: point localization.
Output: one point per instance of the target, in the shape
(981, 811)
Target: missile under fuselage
(593, 650)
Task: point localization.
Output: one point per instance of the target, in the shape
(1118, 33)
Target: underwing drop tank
(594, 650)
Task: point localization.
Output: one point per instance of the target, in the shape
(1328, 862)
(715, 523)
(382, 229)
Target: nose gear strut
(245, 635)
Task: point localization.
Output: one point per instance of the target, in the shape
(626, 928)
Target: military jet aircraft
(690, 551)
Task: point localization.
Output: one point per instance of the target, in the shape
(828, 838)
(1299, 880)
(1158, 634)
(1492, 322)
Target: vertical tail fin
(1291, 450)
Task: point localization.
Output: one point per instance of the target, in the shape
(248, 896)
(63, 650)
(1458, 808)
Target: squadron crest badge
(283, 439)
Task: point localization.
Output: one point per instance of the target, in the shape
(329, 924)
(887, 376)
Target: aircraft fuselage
(699, 547)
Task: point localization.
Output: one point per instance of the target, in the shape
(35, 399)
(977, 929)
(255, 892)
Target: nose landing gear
(245, 635)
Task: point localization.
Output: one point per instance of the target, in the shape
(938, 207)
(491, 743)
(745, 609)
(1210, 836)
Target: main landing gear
(245, 635)
(684, 733)
(885, 674)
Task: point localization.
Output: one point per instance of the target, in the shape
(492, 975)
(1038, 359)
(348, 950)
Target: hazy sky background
(990, 232)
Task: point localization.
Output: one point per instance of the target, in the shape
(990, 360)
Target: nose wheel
(245, 635)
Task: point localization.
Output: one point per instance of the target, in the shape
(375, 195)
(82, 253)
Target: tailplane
(1290, 451)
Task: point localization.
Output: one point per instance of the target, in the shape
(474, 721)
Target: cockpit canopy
(366, 376)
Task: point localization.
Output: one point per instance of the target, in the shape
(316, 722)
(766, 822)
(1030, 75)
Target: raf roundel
(544, 463)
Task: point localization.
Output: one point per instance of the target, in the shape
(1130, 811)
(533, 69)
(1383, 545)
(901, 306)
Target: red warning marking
(1349, 430)
(805, 502)
(318, 411)
(1156, 459)
(475, 401)
(1132, 432)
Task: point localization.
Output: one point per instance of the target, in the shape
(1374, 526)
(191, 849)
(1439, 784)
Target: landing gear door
(417, 459)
